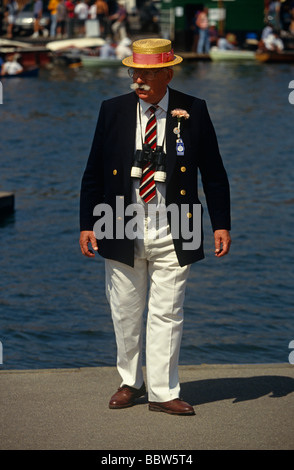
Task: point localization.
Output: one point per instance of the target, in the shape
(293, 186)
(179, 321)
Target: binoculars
(146, 156)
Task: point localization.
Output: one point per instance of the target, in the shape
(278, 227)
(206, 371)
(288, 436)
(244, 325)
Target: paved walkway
(237, 407)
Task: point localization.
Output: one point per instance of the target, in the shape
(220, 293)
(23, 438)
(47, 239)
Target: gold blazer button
(189, 215)
(183, 169)
(114, 172)
(183, 192)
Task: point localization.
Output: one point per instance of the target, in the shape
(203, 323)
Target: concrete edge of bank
(203, 366)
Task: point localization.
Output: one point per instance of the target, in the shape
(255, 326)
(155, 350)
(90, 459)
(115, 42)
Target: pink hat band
(153, 59)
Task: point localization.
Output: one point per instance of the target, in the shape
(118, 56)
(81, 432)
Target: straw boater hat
(152, 53)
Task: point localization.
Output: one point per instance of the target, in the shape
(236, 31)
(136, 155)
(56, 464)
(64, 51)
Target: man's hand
(86, 237)
(222, 241)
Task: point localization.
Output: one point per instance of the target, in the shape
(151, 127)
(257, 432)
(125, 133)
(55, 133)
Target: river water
(53, 311)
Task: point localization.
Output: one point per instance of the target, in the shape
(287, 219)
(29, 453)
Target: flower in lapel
(179, 114)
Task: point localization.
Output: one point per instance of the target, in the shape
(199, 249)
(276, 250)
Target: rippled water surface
(53, 312)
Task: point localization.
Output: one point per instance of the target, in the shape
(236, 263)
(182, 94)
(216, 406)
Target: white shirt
(81, 10)
(143, 115)
(11, 68)
(271, 42)
(93, 12)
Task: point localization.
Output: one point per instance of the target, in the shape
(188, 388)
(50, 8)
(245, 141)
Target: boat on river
(26, 73)
(30, 55)
(69, 51)
(97, 61)
(76, 43)
(234, 54)
(15, 44)
(275, 57)
(87, 57)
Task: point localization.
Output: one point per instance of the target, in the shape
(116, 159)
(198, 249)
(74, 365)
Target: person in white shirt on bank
(81, 12)
(11, 66)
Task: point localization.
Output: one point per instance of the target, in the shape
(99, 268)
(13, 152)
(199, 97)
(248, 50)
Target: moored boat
(30, 55)
(234, 54)
(11, 43)
(78, 43)
(275, 57)
(26, 73)
(68, 51)
(97, 61)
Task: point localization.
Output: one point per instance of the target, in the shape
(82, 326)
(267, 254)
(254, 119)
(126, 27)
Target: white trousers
(156, 264)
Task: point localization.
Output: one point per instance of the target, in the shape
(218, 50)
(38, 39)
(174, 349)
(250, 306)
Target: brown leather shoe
(173, 407)
(125, 396)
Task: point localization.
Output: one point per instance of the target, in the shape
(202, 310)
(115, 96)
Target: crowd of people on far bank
(69, 17)
(279, 26)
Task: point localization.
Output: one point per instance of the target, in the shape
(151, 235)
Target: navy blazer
(107, 173)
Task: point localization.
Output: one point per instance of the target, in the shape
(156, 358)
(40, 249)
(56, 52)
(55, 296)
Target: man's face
(156, 79)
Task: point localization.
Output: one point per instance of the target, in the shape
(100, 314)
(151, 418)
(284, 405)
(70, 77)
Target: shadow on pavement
(240, 389)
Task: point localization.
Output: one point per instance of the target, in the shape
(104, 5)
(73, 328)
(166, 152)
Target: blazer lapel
(127, 137)
(170, 136)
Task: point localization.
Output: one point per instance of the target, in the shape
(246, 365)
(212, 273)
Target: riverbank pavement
(237, 407)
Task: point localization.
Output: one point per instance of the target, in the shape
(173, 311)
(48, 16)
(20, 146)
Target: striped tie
(147, 184)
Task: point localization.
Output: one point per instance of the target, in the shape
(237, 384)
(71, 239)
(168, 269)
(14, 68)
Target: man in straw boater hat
(140, 210)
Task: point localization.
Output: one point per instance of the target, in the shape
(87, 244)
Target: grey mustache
(135, 86)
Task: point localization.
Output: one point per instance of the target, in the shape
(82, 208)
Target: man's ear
(170, 74)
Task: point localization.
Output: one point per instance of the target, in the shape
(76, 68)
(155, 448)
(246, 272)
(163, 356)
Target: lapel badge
(180, 148)
(179, 114)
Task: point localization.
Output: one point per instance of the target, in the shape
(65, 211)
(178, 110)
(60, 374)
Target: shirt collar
(163, 103)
